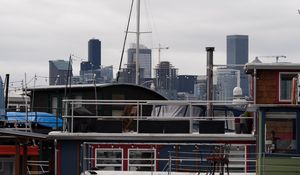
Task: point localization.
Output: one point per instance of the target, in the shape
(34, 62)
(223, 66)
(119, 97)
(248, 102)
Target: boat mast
(137, 71)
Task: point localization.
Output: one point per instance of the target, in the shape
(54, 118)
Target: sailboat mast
(137, 71)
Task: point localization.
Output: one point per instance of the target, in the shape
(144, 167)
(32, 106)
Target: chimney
(209, 74)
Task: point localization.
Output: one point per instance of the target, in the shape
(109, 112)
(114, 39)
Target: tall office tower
(94, 56)
(145, 59)
(165, 79)
(227, 80)
(237, 53)
(58, 72)
(185, 83)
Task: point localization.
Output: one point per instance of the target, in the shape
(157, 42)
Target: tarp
(40, 118)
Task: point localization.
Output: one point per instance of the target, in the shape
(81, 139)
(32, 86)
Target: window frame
(277, 116)
(142, 165)
(279, 86)
(109, 165)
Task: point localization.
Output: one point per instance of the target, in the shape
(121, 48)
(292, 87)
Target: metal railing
(134, 111)
(198, 161)
(37, 167)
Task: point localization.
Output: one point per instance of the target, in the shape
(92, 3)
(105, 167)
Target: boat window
(286, 85)
(141, 160)
(280, 132)
(109, 159)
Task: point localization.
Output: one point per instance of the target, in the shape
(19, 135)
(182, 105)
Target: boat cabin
(275, 93)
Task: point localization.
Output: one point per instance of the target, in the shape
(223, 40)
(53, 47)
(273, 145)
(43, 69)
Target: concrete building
(58, 72)
(237, 53)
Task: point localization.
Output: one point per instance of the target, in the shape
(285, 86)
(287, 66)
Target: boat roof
(22, 134)
(133, 136)
(249, 67)
(47, 87)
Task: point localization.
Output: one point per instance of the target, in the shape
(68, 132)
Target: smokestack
(6, 90)
(209, 74)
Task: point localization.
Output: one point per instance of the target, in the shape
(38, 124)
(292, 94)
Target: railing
(37, 167)
(132, 113)
(199, 161)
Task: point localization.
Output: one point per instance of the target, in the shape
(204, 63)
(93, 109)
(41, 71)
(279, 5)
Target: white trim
(108, 150)
(279, 88)
(142, 165)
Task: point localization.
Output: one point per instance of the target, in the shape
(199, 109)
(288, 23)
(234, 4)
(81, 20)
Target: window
(141, 160)
(109, 159)
(280, 132)
(286, 85)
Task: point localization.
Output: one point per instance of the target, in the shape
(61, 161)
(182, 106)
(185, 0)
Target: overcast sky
(35, 31)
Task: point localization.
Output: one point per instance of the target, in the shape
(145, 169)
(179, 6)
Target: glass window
(141, 160)
(109, 159)
(286, 85)
(280, 132)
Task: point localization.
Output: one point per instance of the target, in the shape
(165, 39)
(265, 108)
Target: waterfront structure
(226, 81)
(277, 114)
(59, 71)
(94, 53)
(166, 79)
(237, 54)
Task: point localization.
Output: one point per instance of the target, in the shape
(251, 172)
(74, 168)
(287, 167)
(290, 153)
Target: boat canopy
(41, 118)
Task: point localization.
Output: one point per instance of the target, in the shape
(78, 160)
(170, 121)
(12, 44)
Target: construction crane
(159, 48)
(277, 57)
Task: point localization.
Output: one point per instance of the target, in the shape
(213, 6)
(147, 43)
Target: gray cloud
(34, 31)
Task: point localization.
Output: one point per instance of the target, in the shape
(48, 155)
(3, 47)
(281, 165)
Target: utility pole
(159, 48)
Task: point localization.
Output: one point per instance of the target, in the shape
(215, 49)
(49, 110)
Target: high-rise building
(185, 83)
(145, 59)
(227, 80)
(237, 53)
(58, 72)
(94, 53)
(166, 79)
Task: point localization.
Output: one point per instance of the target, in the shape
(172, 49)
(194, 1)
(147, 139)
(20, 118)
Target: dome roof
(237, 91)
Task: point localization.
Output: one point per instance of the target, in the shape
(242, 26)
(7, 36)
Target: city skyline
(35, 32)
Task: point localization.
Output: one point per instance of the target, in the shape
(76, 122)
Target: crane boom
(159, 48)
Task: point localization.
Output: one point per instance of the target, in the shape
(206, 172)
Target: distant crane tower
(277, 57)
(159, 48)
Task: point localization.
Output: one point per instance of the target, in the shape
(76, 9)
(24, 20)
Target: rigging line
(125, 38)
(153, 24)
(30, 80)
(148, 21)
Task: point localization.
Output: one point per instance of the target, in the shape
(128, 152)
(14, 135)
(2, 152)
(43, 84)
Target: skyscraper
(237, 53)
(227, 80)
(58, 72)
(145, 59)
(166, 79)
(94, 55)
